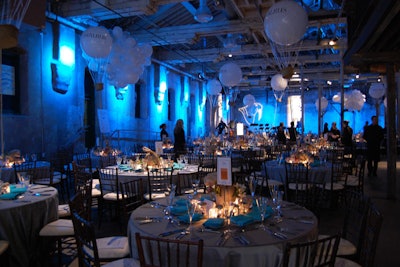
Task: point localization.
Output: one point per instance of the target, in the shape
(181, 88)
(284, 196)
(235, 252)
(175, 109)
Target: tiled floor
(387, 254)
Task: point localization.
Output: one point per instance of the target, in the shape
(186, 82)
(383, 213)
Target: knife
(170, 232)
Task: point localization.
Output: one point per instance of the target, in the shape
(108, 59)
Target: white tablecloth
(264, 249)
(21, 221)
(277, 171)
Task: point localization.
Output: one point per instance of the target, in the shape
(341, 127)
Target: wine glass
(195, 185)
(169, 196)
(252, 186)
(191, 207)
(262, 203)
(278, 204)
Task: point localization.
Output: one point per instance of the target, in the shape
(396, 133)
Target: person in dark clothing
(373, 134)
(326, 129)
(347, 138)
(221, 127)
(179, 139)
(280, 135)
(163, 133)
(334, 134)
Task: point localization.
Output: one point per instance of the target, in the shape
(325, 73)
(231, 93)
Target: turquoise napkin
(125, 167)
(178, 210)
(316, 163)
(177, 166)
(10, 196)
(185, 218)
(255, 214)
(242, 220)
(15, 189)
(181, 202)
(214, 223)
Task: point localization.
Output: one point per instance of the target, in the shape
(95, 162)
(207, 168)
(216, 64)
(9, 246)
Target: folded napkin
(316, 163)
(178, 210)
(185, 218)
(125, 167)
(241, 220)
(255, 214)
(181, 202)
(178, 166)
(214, 223)
(17, 189)
(10, 196)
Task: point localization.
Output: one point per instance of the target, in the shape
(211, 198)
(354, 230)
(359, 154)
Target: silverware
(170, 232)
(276, 234)
(149, 221)
(224, 237)
(242, 240)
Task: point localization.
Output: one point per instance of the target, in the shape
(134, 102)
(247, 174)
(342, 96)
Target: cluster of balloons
(354, 100)
(127, 59)
(230, 74)
(324, 103)
(278, 83)
(115, 55)
(377, 90)
(286, 22)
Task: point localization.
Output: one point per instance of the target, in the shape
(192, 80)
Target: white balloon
(336, 98)
(249, 100)
(117, 32)
(230, 74)
(278, 83)
(324, 103)
(130, 42)
(214, 87)
(377, 90)
(96, 42)
(286, 22)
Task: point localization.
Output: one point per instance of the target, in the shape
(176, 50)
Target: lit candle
(213, 213)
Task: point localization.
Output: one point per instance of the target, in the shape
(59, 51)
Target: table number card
(224, 171)
(159, 147)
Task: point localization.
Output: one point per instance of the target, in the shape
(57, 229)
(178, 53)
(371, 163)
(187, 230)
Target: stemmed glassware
(277, 197)
(262, 203)
(195, 185)
(191, 207)
(170, 195)
(252, 186)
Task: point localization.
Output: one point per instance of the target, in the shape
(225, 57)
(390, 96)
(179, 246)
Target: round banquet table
(7, 174)
(21, 221)
(276, 171)
(264, 249)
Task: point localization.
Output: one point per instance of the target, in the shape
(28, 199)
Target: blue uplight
(67, 56)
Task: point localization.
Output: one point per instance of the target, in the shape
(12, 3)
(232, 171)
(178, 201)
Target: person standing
(221, 127)
(292, 134)
(347, 138)
(334, 134)
(280, 135)
(179, 138)
(163, 133)
(373, 134)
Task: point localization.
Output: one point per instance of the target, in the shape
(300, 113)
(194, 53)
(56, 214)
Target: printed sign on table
(224, 171)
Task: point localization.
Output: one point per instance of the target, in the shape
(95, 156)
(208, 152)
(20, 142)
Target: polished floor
(387, 254)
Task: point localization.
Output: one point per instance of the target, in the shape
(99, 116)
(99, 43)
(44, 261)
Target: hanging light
(203, 13)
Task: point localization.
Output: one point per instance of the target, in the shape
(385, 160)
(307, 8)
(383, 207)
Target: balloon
(285, 22)
(214, 87)
(354, 100)
(336, 98)
(96, 42)
(117, 32)
(324, 103)
(230, 74)
(278, 83)
(249, 100)
(377, 90)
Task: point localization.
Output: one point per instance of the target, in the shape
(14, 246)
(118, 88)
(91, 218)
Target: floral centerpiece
(223, 193)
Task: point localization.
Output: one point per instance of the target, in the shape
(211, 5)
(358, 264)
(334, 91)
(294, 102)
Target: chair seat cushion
(96, 192)
(335, 186)
(60, 227)
(345, 246)
(63, 210)
(113, 247)
(352, 180)
(292, 186)
(342, 262)
(154, 196)
(113, 196)
(127, 262)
